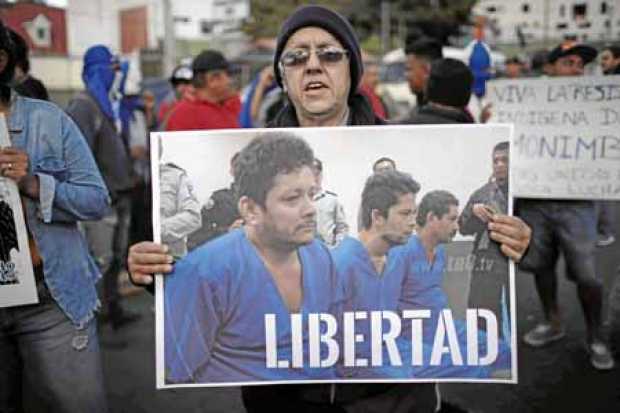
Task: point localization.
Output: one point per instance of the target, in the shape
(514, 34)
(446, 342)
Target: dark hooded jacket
(430, 114)
(360, 114)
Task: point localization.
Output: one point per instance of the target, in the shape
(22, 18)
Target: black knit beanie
(328, 20)
(449, 83)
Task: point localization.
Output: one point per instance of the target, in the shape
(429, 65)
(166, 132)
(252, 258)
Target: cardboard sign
(567, 135)
(17, 283)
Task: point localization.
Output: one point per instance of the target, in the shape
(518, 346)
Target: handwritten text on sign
(567, 135)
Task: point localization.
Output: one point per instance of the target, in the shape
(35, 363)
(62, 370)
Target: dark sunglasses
(298, 57)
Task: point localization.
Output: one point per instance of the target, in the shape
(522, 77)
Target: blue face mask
(98, 76)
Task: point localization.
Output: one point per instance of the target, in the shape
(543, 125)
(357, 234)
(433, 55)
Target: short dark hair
(502, 146)
(383, 159)
(436, 202)
(6, 44)
(381, 192)
(21, 51)
(317, 164)
(424, 47)
(266, 156)
(449, 83)
(614, 49)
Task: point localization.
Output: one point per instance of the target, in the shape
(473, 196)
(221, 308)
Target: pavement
(558, 378)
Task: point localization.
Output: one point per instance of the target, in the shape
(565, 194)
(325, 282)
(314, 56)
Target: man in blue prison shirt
(437, 224)
(217, 297)
(372, 279)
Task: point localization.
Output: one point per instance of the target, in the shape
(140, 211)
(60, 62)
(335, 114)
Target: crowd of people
(84, 180)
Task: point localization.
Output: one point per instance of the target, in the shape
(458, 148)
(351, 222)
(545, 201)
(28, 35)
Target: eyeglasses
(298, 57)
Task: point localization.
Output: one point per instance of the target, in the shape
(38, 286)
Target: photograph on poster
(17, 283)
(328, 255)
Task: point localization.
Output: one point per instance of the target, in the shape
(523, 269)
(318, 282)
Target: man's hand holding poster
(266, 300)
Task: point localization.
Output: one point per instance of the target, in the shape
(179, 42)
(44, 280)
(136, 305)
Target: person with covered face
(52, 345)
(96, 113)
(318, 63)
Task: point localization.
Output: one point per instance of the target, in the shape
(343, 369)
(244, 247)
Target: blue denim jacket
(71, 190)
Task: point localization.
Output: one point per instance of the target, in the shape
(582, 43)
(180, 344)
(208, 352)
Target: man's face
(383, 166)
(417, 71)
(446, 227)
(608, 63)
(571, 65)
(400, 222)
(514, 70)
(289, 217)
(182, 89)
(500, 166)
(317, 88)
(219, 85)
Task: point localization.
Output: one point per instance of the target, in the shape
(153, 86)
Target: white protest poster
(567, 135)
(17, 283)
(224, 319)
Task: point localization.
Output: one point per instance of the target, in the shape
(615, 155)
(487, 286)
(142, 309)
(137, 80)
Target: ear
(249, 210)
(376, 218)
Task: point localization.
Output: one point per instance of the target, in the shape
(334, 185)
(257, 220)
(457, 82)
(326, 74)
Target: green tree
(267, 16)
(407, 16)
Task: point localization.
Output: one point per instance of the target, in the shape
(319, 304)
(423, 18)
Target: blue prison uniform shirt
(423, 289)
(366, 290)
(215, 302)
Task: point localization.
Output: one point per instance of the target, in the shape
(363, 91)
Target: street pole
(546, 23)
(385, 26)
(169, 57)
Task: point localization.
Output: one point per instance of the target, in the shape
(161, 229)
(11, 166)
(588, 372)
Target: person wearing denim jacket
(52, 344)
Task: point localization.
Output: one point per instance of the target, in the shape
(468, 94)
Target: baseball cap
(209, 60)
(587, 53)
(181, 73)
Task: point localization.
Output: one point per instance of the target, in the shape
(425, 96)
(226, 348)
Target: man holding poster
(319, 64)
(568, 227)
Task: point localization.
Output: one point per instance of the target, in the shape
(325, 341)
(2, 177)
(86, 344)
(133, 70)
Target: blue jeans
(61, 365)
(108, 240)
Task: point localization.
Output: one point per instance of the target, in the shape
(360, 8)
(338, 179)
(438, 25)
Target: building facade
(527, 21)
